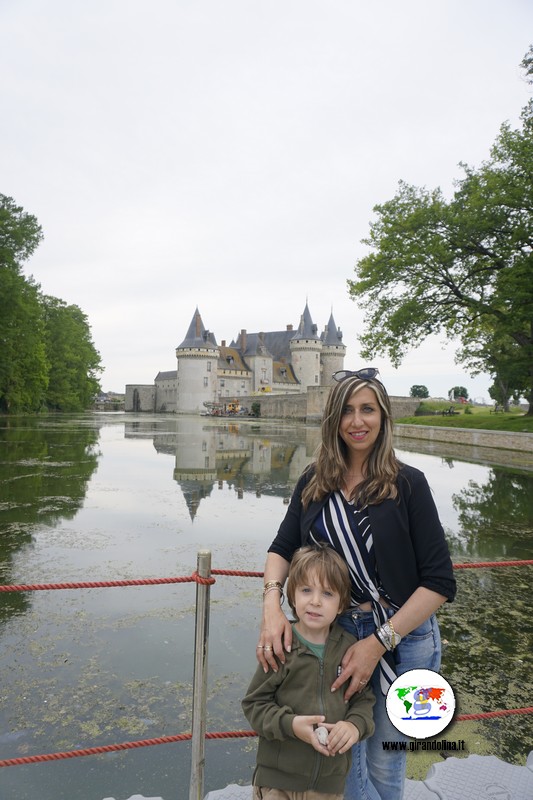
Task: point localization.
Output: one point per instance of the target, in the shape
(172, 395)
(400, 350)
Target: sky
(228, 156)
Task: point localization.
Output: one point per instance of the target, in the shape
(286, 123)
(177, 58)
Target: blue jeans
(378, 774)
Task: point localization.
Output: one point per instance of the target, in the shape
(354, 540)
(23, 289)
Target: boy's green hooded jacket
(303, 686)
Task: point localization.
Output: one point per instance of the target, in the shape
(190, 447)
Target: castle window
(209, 366)
(222, 382)
(206, 382)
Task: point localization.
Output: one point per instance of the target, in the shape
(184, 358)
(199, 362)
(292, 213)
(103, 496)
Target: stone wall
(309, 407)
(139, 397)
(480, 438)
(278, 406)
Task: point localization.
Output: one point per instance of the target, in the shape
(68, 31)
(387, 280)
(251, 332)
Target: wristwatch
(388, 636)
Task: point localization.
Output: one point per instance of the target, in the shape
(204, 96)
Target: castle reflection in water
(250, 457)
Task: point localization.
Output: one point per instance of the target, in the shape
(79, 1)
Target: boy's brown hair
(331, 571)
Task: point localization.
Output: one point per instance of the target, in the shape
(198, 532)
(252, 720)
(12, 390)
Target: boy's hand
(304, 728)
(342, 736)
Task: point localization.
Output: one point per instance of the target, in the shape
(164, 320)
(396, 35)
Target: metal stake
(199, 697)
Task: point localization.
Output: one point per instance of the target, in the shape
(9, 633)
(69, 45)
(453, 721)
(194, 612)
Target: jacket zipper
(316, 768)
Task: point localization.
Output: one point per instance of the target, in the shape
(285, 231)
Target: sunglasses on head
(365, 374)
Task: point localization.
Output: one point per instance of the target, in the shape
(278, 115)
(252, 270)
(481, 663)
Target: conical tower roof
(332, 335)
(197, 336)
(306, 329)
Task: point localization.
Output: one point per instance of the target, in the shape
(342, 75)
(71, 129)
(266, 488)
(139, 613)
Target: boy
(285, 707)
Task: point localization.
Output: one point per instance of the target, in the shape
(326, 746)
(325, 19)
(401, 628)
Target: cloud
(228, 155)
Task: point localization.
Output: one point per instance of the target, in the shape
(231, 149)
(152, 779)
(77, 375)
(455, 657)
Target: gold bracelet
(274, 589)
(272, 585)
(393, 634)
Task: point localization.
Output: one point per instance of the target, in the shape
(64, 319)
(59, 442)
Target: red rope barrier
(113, 748)
(479, 564)
(506, 712)
(33, 587)
(206, 581)
(182, 737)
(94, 751)
(238, 572)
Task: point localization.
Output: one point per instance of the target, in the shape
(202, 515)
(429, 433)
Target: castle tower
(333, 352)
(197, 358)
(306, 347)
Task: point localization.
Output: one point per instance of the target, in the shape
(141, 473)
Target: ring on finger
(363, 683)
(267, 647)
(259, 647)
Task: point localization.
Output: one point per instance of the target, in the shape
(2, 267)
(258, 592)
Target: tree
(20, 234)
(458, 391)
(74, 363)
(47, 357)
(23, 375)
(461, 267)
(505, 361)
(418, 390)
(23, 366)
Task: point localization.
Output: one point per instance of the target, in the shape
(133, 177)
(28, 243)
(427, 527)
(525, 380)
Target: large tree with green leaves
(462, 267)
(23, 366)
(419, 390)
(20, 234)
(74, 363)
(47, 357)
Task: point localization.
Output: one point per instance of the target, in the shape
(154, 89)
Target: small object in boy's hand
(322, 735)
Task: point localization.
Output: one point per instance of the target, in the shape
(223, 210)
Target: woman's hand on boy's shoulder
(358, 664)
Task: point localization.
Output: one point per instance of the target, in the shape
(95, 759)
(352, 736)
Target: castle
(207, 374)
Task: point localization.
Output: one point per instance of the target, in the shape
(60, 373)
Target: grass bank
(477, 417)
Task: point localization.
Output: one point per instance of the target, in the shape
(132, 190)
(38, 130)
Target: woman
(380, 516)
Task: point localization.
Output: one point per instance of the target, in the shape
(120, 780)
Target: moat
(113, 496)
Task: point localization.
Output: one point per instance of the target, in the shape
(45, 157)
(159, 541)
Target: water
(100, 497)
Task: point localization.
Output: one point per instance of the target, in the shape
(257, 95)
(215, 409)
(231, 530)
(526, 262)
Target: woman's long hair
(381, 466)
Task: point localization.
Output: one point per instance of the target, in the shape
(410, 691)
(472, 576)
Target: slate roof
(197, 336)
(167, 376)
(307, 328)
(332, 335)
(273, 343)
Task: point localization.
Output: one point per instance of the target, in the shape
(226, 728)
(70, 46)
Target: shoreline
(500, 448)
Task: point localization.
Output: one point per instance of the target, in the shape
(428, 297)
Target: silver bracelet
(388, 636)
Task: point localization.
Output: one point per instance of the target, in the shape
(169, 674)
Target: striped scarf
(347, 529)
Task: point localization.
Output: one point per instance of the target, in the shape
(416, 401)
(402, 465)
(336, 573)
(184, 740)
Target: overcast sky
(227, 155)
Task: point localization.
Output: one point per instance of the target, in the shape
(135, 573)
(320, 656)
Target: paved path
(472, 778)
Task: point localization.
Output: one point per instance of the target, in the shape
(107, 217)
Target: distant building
(282, 362)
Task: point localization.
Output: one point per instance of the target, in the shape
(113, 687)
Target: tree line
(461, 267)
(47, 356)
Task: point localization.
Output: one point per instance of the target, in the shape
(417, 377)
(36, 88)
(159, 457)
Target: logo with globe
(420, 703)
